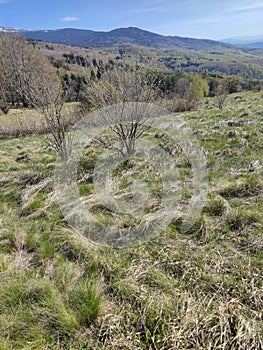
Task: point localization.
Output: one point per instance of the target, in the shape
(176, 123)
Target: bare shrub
(119, 87)
(221, 96)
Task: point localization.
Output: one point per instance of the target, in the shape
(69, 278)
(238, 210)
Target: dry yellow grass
(21, 122)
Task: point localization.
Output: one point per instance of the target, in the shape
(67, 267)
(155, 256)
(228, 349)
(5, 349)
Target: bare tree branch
(119, 87)
(27, 77)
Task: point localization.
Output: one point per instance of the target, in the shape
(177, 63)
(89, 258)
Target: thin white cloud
(68, 19)
(3, 1)
(251, 7)
(147, 9)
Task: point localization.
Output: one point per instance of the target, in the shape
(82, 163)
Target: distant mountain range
(256, 45)
(250, 42)
(119, 37)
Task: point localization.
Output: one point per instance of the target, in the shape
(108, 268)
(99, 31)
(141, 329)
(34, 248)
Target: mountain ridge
(245, 42)
(118, 37)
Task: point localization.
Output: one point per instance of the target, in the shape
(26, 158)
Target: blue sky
(214, 19)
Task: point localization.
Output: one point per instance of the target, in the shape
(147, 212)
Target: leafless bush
(177, 104)
(127, 124)
(221, 96)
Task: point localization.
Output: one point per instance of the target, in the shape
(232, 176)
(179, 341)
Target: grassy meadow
(199, 290)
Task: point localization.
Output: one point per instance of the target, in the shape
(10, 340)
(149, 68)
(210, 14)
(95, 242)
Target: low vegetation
(199, 290)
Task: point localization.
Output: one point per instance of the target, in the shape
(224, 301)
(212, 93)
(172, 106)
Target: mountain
(9, 30)
(256, 45)
(246, 42)
(243, 40)
(119, 37)
(67, 36)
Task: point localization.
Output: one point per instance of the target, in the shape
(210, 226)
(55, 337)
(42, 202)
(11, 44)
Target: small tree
(233, 84)
(7, 95)
(221, 95)
(128, 123)
(182, 87)
(27, 75)
(198, 88)
(186, 95)
(8, 92)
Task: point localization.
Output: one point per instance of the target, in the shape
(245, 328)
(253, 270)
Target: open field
(199, 290)
(22, 122)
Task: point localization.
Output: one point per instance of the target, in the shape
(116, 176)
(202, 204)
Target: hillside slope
(234, 62)
(199, 290)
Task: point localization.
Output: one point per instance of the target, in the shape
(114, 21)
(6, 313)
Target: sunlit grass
(199, 290)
